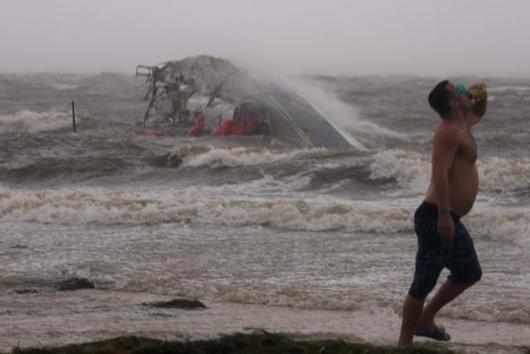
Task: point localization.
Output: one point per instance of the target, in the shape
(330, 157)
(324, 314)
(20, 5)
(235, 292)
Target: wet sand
(64, 318)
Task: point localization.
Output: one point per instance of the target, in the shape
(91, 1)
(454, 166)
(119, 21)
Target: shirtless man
(442, 238)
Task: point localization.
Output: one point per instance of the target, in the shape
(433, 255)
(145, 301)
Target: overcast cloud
(426, 37)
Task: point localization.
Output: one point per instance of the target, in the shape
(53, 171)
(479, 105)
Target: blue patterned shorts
(435, 253)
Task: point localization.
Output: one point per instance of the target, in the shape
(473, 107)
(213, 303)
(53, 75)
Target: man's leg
(465, 271)
(412, 310)
(447, 293)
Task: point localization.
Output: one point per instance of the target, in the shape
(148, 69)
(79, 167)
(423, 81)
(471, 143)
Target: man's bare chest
(468, 148)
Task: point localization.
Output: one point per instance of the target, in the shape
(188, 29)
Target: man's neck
(456, 118)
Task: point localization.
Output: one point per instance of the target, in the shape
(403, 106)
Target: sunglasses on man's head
(462, 90)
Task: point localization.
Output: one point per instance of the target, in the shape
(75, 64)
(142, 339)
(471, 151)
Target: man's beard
(467, 109)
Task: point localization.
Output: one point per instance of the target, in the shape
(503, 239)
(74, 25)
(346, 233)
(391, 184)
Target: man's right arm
(480, 106)
(445, 145)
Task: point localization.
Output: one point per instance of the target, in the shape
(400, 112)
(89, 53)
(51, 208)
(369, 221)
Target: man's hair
(439, 98)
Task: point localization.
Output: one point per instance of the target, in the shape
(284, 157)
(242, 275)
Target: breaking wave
(503, 175)
(509, 224)
(71, 206)
(50, 168)
(240, 156)
(31, 122)
(411, 171)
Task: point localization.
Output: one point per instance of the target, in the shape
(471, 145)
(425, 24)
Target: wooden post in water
(73, 116)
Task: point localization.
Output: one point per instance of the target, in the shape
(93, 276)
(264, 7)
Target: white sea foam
(409, 168)
(244, 156)
(70, 206)
(510, 224)
(258, 188)
(412, 171)
(501, 174)
(31, 122)
(78, 206)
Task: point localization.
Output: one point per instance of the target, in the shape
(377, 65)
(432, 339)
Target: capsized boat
(204, 95)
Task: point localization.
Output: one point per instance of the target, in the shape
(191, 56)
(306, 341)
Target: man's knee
(469, 279)
(477, 276)
(422, 286)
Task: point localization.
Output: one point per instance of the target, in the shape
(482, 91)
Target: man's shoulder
(448, 133)
(448, 128)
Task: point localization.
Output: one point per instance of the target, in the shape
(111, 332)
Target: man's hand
(479, 92)
(446, 226)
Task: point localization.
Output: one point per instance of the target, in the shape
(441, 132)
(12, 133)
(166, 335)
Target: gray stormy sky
(425, 37)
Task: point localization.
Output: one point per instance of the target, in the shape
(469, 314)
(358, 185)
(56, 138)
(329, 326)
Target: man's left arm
(478, 111)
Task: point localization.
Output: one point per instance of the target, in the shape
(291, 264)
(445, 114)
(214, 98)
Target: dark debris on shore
(258, 343)
(72, 284)
(184, 304)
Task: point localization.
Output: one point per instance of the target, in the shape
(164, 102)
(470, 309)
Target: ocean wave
(46, 168)
(31, 122)
(411, 171)
(510, 224)
(71, 206)
(408, 169)
(241, 156)
(504, 175)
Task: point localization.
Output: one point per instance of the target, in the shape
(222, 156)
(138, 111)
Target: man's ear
(454, 104)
